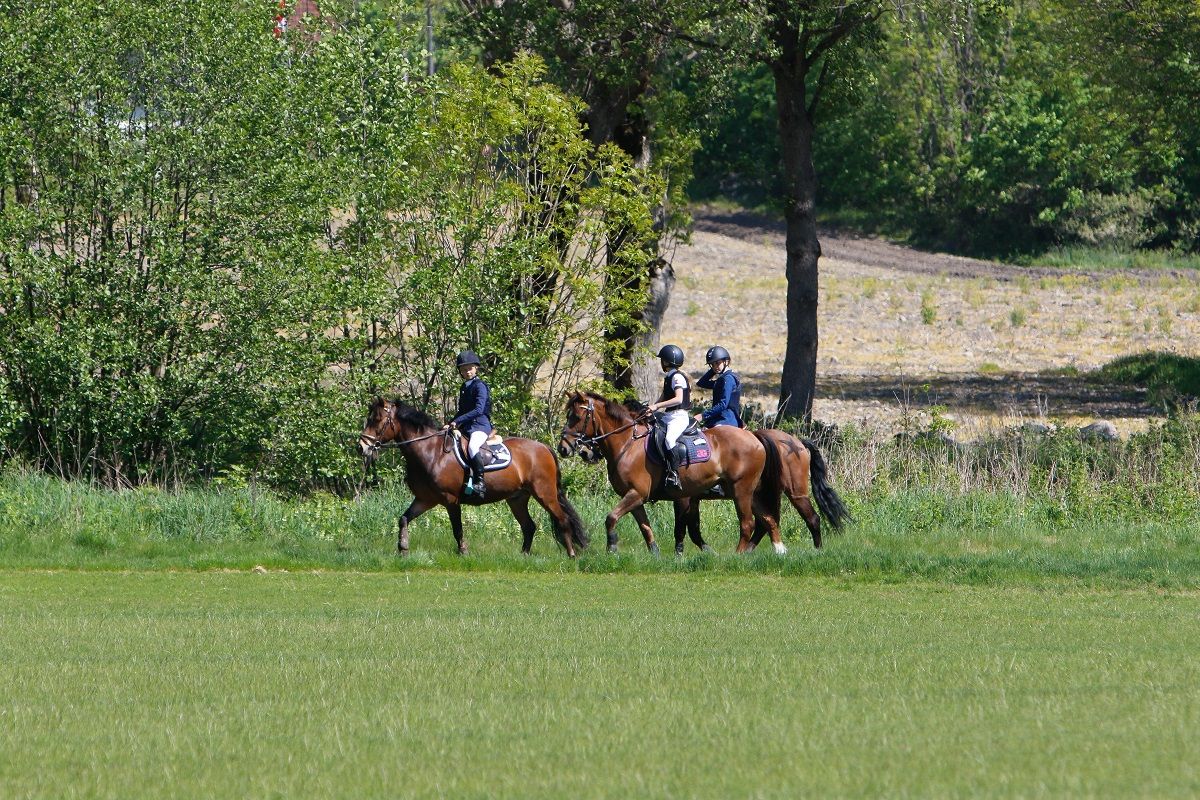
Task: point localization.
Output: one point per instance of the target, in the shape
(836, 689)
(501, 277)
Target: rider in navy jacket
(727, 391)
(474, 417)
(474, 407)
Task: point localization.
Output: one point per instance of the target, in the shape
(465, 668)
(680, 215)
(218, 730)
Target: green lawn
(428, 683)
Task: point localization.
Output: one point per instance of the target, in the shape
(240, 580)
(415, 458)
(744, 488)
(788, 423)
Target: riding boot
(670, 471)
(477, 486)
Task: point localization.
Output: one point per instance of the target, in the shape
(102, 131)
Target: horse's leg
(643, 521)
(766, 521)
(693, 527)
(811, 518)
(682, 515)
(743, 500)
(627, 504)
(546, 492)
(415, 509)
(455, 512)
(520, 509)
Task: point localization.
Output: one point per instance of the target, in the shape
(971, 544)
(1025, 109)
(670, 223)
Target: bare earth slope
(992, 342)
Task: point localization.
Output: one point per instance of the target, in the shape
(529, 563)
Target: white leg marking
(779, 548)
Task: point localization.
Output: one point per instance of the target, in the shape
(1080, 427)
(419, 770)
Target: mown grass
(460, 685)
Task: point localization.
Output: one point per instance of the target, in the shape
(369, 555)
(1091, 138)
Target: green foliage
(217, 245)
(1171, 379)
(159, 280)
(998, 128)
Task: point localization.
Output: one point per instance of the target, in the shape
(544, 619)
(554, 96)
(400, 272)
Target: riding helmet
(717, 353)
(671, 354)
(466, 358)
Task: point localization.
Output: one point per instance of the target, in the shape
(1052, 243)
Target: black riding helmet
(717, 353)
(671, 354)
(467, 358)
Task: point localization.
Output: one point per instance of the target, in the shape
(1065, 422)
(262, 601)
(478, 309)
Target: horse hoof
(403, 552)
(706, 549)
(612, 548)
(654, 551)
(679, 552)
(780, 549)
(462, 551)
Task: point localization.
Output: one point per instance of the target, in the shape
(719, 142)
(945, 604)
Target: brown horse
(436, 478)
(791, 464)
(601, 428)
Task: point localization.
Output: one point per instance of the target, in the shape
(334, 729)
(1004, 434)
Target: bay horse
(598, 427)
(436, 478)
(796, 463)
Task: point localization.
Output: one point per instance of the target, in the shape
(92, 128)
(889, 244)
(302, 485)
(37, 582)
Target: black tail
(578, 531)
(770, 485)
(827, 499)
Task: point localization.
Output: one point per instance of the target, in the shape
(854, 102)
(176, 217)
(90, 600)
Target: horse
(791, 464)
(436, 478)
(598, 427)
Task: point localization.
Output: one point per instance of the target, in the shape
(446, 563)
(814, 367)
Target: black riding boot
(670, 471)
(477, 486)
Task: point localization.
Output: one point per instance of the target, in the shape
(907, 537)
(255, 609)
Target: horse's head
(590, 418)
(379, 428)
(580, 427)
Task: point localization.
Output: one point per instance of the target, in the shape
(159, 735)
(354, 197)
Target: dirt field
(995, 344)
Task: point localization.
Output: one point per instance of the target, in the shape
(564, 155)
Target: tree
(800, 41)
(613, 55)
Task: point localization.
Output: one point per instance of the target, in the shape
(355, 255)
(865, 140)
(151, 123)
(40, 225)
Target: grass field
(542, 685)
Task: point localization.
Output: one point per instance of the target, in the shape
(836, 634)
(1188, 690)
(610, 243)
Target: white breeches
(475, 442)
(676, 422)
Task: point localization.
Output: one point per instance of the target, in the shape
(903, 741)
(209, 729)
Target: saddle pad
(698, 450)
(501, 457)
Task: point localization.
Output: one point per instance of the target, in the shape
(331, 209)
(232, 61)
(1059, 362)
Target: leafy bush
(217, 245)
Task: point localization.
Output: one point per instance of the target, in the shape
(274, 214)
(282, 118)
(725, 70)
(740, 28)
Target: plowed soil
(902, 330)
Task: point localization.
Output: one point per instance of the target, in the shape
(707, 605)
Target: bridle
(580, 438)
(375, 444)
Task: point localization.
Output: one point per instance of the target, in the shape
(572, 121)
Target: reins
(376, 444)
(582, 438)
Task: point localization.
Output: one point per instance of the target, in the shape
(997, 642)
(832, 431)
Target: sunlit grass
(545, 685)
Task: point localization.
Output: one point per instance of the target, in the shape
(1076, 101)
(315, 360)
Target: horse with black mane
(598, 427)
(794, 466)
(436, 476)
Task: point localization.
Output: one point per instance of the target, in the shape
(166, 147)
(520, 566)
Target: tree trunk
(627, 367)
(798, 384)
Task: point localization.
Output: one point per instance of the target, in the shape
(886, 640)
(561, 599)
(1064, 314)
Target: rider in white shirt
(675, 401)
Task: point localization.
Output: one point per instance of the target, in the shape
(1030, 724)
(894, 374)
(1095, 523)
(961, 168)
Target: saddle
(495, 453)
(690, 448)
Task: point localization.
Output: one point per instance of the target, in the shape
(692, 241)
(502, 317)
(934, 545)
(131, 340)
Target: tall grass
(1014, 508)
(1082, 257)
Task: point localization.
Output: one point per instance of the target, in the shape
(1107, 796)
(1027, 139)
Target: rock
(1036, 429)
(1102, 430)
(259, 569)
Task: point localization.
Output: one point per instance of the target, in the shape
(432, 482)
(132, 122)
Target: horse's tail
(578, 530)
(770, 485)
(827, 499)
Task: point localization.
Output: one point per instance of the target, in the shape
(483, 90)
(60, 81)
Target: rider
(474, 416)
(727, 391)
(676, 396)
